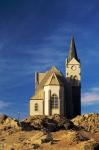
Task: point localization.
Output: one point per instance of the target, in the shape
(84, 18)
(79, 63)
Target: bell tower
(73, 77)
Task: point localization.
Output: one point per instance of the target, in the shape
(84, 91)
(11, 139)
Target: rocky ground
(51, 133)
(90, 122)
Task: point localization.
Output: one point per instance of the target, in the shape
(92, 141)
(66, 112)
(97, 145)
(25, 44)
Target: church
(56, 93)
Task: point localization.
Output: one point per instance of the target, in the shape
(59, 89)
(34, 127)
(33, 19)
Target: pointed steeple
(72, 50)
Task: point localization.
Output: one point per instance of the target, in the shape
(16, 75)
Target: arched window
(75, 78)
(54, 101)
(75, 81)
(71, 77)
(36, 107)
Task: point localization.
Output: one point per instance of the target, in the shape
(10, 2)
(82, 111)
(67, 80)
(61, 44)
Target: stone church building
(57, 94)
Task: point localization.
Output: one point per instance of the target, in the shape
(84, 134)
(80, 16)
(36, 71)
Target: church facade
(56, 93)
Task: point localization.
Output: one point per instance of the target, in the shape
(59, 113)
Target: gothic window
(71, 77)
(75, 80)
(54, 101)
(36, 107)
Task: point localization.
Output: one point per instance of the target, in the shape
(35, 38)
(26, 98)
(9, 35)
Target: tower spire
(72, 50)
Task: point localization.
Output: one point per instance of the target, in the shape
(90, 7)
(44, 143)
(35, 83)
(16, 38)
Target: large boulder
(89, 122)
(7, 122)
(75, 137)
(32, 122)
(63, 122)
(51, 123)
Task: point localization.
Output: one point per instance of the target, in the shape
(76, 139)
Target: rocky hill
(90, 122)
(51, 133)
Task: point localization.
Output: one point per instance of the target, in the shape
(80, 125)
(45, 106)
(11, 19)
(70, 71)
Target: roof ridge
(48, 74)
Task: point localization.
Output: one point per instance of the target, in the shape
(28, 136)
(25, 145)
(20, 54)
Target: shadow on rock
(48, 123)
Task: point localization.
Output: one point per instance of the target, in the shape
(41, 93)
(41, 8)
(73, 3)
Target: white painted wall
(54, 90)
(62, 100)
(40, 107)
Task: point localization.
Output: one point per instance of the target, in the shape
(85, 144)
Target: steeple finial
(72, 50)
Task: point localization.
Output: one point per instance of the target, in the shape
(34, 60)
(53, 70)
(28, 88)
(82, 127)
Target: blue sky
(34, 35)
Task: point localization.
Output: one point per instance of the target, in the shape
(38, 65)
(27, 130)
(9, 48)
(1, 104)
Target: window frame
(36, 107)
(54, 101)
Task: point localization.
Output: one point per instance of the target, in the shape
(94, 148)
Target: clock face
(73, 67)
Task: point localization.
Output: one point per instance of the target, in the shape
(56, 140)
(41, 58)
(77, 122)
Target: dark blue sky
(34, 35)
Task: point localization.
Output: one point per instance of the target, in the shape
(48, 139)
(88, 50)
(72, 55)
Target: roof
(72, 51)
(52, 77)
(48, 74)
(54, 80)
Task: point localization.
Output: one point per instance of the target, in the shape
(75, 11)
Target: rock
(35, 146)
(75, 137)
(7, 122)
(62, 122)
(32, 122)
(12, 149)
(90, 145)
(89, 122)
(2, 118)
(47, 139)
(50, 123)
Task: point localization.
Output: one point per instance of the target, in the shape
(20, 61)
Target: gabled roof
(52, 77)
(54, 80)
(48, 74)
(72, 51)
